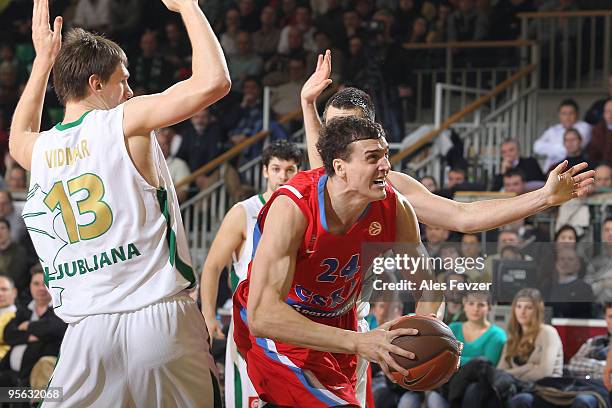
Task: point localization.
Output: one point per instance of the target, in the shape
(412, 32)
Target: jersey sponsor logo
(375, 228)
(253, 402)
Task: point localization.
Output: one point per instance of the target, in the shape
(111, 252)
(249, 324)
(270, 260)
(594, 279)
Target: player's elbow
(257, 320)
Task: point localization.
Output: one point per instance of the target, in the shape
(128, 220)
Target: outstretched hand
(47, 43)
(319, 80)
(562, 185)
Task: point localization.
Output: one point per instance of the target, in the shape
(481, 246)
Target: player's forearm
(312, 127)
(28, 113)
(499, 212)
(280, 322)
(209, 290)
(209, 68)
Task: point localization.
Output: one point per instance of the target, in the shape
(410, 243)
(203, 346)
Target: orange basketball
(436, 352)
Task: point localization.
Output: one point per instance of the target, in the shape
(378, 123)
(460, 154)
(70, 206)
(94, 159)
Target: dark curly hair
(352, 98)
(283, 150)
(337, 136)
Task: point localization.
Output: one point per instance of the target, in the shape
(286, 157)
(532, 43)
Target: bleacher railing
(574, 47)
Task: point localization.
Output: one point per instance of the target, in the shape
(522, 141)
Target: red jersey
(329, 267)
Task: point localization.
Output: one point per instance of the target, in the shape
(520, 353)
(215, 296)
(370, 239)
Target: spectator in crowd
(407, 12)
(288, 8)
(125, 16)
(93, 15)
(249, 16)
(603, 178)
(430, 183)
(550, 144)
(9, 86)
(176, 50)
(534, 349)
(329, 14)
(599, 271)
(572, 142)
(303, 24)
(600, 148)
(351, 26)
(453, 312)
(594, 114)
(265, 40)
(7, 211)
(514, 182)
(439, 28)
(244, 62)
(569, 295)
(467, 23)
(455, 177)
(34, 332)
(505, 22)
(511, 160)
(285, 98)
(323, 42)
(471, 248)
(574, 213)
(13, 257)
(178, 167)
(16, 179)
(201, 144)
(590, 360)
(566, 235)
(278, 67)
(8, 294)
(435, 237)
(230, 31)
(149, 69)
(479, 337)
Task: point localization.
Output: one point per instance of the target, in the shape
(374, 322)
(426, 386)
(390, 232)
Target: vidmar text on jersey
(93, 263)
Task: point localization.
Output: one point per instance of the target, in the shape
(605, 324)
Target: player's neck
(342, 207)
(74, 110)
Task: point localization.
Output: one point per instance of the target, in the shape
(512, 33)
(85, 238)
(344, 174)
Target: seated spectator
(434, 238)
(455, 177)
(590, 360)
(9, 86)
(603, 178)
(439, 28)
(178, 167)
(230, 31)
(594, 114)
(277, 68)
(479, 337)
(149, 68)
(550, 144)
(285, 98)
(566, 235)
(303, 23)
(572, 142)
(405, 15)
(576, 214)
(323, 42)
(17, 179)
(599, 271)
(13, 257)
(93, 15)
(467, 23)
(351, 26)
(453, 312)
(126, 18)
(505, 22)
(34, 332)
(8, 294)
(564, 286)
(249, 17)
(265, 40)
(600, 148)
(244, 62)
(471, 248)
(430, 183)
(514, 182)
(177, 50)
(534, 349)
(7, 211)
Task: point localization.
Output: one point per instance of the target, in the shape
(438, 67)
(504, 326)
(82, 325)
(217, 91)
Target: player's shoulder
(303, 184)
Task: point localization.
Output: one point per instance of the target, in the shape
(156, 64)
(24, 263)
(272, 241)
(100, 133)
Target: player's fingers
(585, 175)
(401, 352)
(385, 369)
(319, 62)
(403, 332)
(328, 60)
(394, 365)
(560, 167)
(321, 87)
(57, 29)
(45, 12)
(578, 168)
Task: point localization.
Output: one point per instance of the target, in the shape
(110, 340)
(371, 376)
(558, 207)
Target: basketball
(436, 352)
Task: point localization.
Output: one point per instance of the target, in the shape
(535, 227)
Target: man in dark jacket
(34, 332)
(511, 160)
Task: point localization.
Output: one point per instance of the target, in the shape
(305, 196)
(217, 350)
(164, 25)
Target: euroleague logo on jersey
(253, 402)
(375, 228)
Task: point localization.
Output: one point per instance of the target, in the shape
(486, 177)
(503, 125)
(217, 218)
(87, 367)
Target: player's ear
(95, 84)
(339, 167)
(264, 171)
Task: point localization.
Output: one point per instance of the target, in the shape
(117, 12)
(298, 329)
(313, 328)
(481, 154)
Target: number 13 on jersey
(92, 203)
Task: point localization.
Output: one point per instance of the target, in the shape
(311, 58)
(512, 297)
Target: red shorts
(290, 376)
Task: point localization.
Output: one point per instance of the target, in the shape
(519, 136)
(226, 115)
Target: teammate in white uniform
(234, 242)
(430, 209)
(104, 218)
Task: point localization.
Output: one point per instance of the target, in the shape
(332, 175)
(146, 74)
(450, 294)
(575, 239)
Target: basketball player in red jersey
(297, 324)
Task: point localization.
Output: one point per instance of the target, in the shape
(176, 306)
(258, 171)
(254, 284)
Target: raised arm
(271, 277)
(311, 90)
(26, 119)
(208, 83)
(477, 216)
(228, 240)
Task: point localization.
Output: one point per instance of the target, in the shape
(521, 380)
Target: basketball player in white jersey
(104, 218)
(234, 243)
(430, 209)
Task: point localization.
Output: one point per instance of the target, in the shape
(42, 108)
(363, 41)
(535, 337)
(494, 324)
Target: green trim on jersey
(175, 260)
(69, 125)
(237, 387)
(234, 280)
(261, 198)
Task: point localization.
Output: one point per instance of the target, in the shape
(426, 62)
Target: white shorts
(239, 391)
(157, 356)
(362, 367)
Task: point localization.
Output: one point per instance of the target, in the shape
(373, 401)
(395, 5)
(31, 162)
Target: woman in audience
(480, 338)
(534, 349)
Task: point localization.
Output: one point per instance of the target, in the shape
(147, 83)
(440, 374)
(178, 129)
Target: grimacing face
(367, 168)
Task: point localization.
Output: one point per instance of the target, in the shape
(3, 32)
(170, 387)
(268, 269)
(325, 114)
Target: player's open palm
(175, 5)
(319, 80)
(47, 43)
(375, 346)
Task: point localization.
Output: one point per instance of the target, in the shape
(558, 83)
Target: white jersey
(108, 241)
(252, 206)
